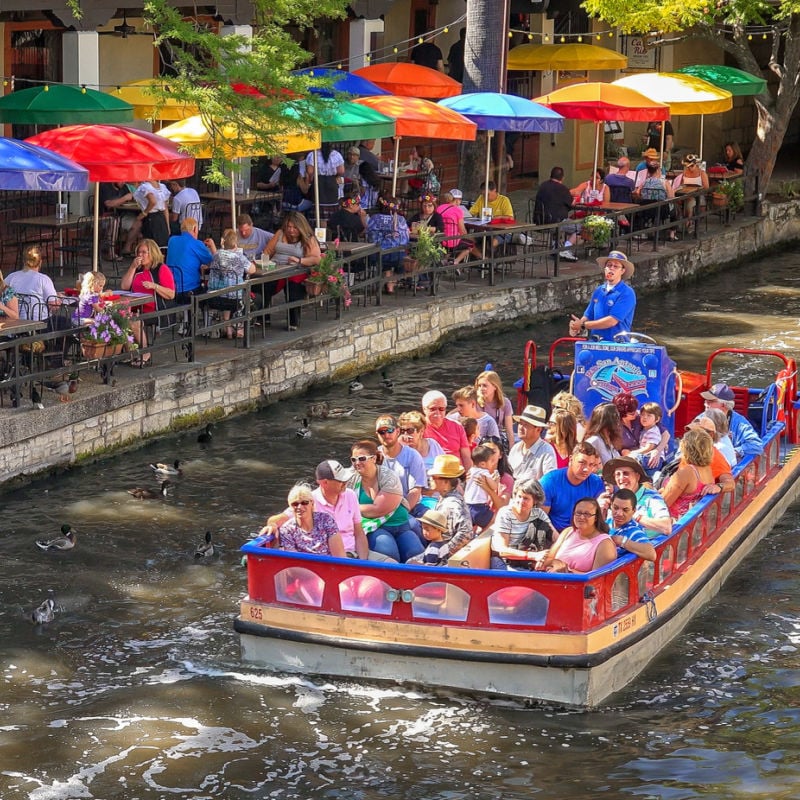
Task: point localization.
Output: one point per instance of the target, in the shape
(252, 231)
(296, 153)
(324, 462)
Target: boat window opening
(762, 467)
(365, 593)
(620, 592)
(644, 578)
(683, 549)
(518, 605)
(299, 586)
(726, 503)
(712, 517)
(666, 563)
(697, 535)
(439, 600)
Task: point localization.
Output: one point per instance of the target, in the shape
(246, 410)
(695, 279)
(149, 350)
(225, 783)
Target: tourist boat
(564, 639)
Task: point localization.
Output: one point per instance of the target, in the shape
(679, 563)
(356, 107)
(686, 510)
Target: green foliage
(734, 191)
(205, 67)
(789, 190)
(426, 250)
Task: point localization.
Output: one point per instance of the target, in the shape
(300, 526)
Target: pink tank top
(686, 501)
(578, 553)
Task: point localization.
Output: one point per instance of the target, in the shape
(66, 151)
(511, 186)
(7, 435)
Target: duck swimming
(166, 469)
(205, 436)
(207, 549)
(386, 382)
(141, 493)
(304, 432)
(64, 542)
(43, 613)
(356, 385)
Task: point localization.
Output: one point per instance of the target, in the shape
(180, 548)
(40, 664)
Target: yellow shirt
(501, 207)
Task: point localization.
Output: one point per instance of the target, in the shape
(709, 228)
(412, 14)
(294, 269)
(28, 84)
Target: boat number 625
(255, 612)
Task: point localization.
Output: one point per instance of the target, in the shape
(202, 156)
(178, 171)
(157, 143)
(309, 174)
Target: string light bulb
(749, 37)
(445, 29)
(420, 40)
(547, 37)
(580, 38)
(511, 34)
(563, 39)
(764, 36)
(611, 34)
(46, 88)
(83, 90)
(394, 50)
(598, 37)
(530, 37)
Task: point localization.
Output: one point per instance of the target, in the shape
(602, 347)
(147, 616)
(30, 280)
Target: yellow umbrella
(572, 56)
(193, 133)
(684, 94)
(144, 102)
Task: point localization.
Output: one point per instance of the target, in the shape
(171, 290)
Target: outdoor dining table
(479, 225)
(273, 274)
(56, 225)
(242, 200)
(8, 329)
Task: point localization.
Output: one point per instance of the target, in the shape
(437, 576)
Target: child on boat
(470, 426)
(649, 439)
(434, 529)
(475, 496)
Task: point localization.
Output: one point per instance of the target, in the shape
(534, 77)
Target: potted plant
(328, 277)
(597, 230)
(108, 333)
(425, 253)
(730, 194)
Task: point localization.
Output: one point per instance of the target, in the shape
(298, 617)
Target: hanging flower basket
(314, 289)
(92, 349)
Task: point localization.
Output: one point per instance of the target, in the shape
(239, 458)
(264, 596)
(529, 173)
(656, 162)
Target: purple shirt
(315, 541)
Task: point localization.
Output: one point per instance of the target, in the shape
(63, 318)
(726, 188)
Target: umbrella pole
(96, 231)
(663, 130)
(233, 198)
(316, 185)
(702, 119)
(596, 148)
(396, 163)
(489, 135)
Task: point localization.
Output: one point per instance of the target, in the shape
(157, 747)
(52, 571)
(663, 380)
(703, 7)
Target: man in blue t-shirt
(611, 309)
(564, 487)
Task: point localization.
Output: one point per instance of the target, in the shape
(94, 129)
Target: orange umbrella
(415, 117)
(410, 80)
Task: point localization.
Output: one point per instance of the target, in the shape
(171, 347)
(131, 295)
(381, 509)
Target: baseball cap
(719, 391)
(332, 471)
(457, 194)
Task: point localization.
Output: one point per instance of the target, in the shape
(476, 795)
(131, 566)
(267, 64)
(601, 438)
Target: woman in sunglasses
(428, 216)
(384, 515)
(309, 531)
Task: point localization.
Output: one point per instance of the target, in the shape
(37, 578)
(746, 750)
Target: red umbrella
(410, 80)
(116, 153)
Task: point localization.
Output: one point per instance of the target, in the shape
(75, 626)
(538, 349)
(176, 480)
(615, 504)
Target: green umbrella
(736, 81)
(342, 121)
(62, 105)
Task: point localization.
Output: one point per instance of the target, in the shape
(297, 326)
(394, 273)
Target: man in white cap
(746, 442)
(532, 456)
(612, 305)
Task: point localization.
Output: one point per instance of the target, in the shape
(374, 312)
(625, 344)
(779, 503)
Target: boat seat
(475, 554)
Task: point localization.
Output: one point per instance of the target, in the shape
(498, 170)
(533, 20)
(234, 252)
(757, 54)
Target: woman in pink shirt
(448, 434)
(584, 546)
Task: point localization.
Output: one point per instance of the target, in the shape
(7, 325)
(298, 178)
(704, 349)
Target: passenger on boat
(651, 510)
(532, 456)
(720, 466)
(404, 461)
(448, 433)
(582, 547)
(380, 495)
(497, 463)
(521, 528)
(721, 437)
(434, 529)
(631, 430)
(604, 431)
(480, 481)
(466, 403)
(650, 437)
(628, 535)
(746, 442)
(562, 433)
(570, 403)
(445, 475)
(310, 531)
(564, 487)
(612, 305)
(494, 402)
(693, 478)
(412, 431)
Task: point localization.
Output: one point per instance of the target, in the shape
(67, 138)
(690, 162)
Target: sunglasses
(384, 431)
(360, 459)
(407, 431)
(298, 503)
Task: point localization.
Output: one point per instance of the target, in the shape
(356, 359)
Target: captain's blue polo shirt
(619, 302)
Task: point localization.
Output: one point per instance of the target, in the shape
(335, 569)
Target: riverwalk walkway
(227, 379)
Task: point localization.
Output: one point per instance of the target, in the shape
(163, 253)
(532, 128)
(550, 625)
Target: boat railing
(405, 593)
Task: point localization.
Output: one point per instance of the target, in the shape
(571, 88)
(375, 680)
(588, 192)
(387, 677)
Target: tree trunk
(484, 71)
(773, 121)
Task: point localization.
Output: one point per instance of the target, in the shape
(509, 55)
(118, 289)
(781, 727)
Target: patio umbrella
(193, 132)
(62, 105)
(571, 56)
(416, 117)
(410, 80)
(603, 102)
(346, 82)
(139, 95)
(26, 167)
(492, 111)
(115, 153)
(685, 95)
(736, 81)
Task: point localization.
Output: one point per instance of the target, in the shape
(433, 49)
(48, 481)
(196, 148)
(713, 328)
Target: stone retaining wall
(194, 393)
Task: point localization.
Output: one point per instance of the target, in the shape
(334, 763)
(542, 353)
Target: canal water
(135, 690)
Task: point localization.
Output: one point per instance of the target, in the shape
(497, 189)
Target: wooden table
(15, 327)
(132, 299)
(620, 208)
(242, 200)
(268, 276)
(716, 177)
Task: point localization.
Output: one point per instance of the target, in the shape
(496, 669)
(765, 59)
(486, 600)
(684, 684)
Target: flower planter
(100, 349)
(719, 200)
(314, 289)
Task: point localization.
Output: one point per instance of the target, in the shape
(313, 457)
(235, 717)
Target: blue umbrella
(492, 111)
(27, 167)
(345, 82)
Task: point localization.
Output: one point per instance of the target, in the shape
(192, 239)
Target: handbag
(162, 304)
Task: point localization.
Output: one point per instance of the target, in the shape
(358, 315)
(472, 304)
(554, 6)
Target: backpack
(653, 190)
